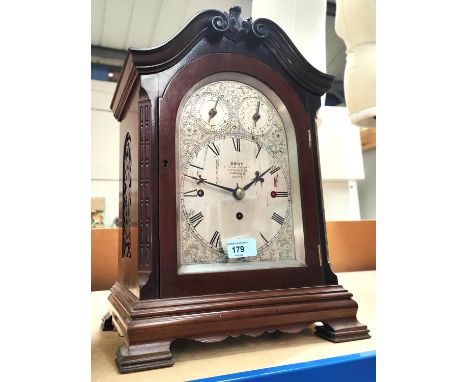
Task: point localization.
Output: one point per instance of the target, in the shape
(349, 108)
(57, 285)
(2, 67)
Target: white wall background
(367, 186)
(304, 23)
(341, 163)
(104, 149)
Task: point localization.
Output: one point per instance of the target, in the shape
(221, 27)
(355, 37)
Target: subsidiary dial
(255, 115)
(212, 112)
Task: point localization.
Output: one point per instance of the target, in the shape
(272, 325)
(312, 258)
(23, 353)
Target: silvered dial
(234, 178)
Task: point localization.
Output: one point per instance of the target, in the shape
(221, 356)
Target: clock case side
(137, 273)
(147, 72)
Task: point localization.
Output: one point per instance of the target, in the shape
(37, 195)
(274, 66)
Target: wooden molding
(150, 326)
(215, 24)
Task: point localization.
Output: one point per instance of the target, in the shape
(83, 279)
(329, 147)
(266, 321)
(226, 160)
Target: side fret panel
(127, 199)
(145, 202)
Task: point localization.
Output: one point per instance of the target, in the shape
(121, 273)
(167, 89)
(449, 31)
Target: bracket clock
(221, 211)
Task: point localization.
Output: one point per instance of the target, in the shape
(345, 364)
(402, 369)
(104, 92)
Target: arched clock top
(241, 33)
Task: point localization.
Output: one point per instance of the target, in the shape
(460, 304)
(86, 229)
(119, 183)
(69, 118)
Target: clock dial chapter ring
(237, 183)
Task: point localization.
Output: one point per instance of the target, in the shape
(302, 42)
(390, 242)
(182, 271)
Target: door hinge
(320, 254)
(310, 138)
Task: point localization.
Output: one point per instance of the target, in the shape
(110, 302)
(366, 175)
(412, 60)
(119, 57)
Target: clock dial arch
(279, 234)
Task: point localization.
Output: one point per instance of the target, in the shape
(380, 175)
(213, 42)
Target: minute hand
(247, 186)
(201, 180)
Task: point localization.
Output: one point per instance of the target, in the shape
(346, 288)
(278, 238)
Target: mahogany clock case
(151, 304)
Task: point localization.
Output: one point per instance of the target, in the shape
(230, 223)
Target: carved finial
(235, 26)
(235, 11)
(236, 21)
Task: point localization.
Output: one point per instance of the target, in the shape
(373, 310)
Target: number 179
(238, 248)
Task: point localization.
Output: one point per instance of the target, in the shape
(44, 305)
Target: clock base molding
(149, 326)
(144, 357)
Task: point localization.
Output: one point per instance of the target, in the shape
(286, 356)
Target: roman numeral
(277, 218)
(215, 239)
(213, 148)
(282, 194)
(274, 170)
(236, 143)
(263, 237)
(196, 219)
(192, 193)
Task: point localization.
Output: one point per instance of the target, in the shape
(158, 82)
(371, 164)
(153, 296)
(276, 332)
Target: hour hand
(204, 181)
(256, 116)
(258, 178)
(212, 113)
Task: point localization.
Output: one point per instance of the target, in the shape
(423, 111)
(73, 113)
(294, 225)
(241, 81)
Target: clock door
(239, 204)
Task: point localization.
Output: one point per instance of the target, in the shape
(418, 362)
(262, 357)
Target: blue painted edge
(348, 368)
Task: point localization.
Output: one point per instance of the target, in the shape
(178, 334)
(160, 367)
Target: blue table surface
(348, 368)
